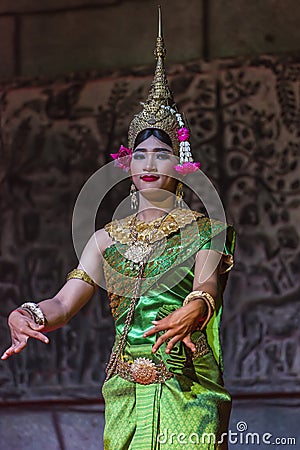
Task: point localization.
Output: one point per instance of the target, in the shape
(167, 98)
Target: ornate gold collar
(121, 230)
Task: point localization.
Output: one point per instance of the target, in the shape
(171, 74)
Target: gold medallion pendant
(137, 252)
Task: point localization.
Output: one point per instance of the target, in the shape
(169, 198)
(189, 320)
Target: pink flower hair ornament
(187, 167)
(183, 134)
(122, 158)
(186, 163)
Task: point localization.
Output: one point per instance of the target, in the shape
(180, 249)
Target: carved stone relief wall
(245, 122)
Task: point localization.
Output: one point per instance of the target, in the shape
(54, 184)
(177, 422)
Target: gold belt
(143, 371)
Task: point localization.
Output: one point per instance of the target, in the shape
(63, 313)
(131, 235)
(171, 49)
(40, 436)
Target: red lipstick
(149, 178)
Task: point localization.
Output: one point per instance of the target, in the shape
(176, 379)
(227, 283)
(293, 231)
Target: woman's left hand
(178, 325)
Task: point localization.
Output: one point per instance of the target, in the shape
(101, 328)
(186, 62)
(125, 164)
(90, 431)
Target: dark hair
(156, 132)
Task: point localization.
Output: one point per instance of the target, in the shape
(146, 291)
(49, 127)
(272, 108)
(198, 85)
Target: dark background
(73, 73)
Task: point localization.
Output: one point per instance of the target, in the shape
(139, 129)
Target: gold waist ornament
(143, 371)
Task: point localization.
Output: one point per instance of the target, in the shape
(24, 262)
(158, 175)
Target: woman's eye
(138, 156)
(163, 156)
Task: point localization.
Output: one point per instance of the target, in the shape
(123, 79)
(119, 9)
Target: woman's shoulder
(118, 230)
(211, 223)
(103, 239)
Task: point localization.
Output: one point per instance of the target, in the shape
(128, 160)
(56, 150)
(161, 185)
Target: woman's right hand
(22, 327)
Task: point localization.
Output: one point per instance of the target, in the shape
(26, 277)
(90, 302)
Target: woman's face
(152, 166)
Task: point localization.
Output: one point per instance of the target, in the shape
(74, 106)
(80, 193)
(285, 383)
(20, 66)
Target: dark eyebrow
(163, 149)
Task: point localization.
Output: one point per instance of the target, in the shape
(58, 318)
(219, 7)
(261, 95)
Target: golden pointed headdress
(159, 110)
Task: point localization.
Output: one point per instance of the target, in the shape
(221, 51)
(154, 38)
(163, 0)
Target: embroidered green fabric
(194, 401)
(168, 278)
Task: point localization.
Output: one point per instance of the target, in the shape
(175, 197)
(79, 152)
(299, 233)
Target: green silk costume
(178, 413)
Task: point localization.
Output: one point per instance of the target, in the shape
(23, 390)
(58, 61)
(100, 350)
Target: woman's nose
(150, 165)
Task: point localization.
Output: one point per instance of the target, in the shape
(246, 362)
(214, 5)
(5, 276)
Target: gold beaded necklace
(140, 245)
(138, 252)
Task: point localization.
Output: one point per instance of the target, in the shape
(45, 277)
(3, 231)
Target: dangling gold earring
(179, 195)
(133, 197)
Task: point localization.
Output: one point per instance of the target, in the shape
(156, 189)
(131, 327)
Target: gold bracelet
(80, 275)
(210, 303)
(35, 311)
(200, 294)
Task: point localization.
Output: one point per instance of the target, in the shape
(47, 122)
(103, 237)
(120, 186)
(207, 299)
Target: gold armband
(80, 275)
(210, 303)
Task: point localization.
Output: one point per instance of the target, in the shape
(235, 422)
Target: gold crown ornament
(160, 111)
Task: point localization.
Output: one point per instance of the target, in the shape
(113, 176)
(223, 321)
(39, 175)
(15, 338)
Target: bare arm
(181, 323)
(64, 305)
(76, 293)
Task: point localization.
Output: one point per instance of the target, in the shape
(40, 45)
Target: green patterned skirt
(189, 411)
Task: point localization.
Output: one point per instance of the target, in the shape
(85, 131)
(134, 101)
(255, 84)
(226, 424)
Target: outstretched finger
(188, 343)
(16, 347)
(19, 347)
(163, 338)
(37, 335)
(172, 342)
(10, 351)
(159, 325)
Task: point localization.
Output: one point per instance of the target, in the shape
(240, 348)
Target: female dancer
(165, 269)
